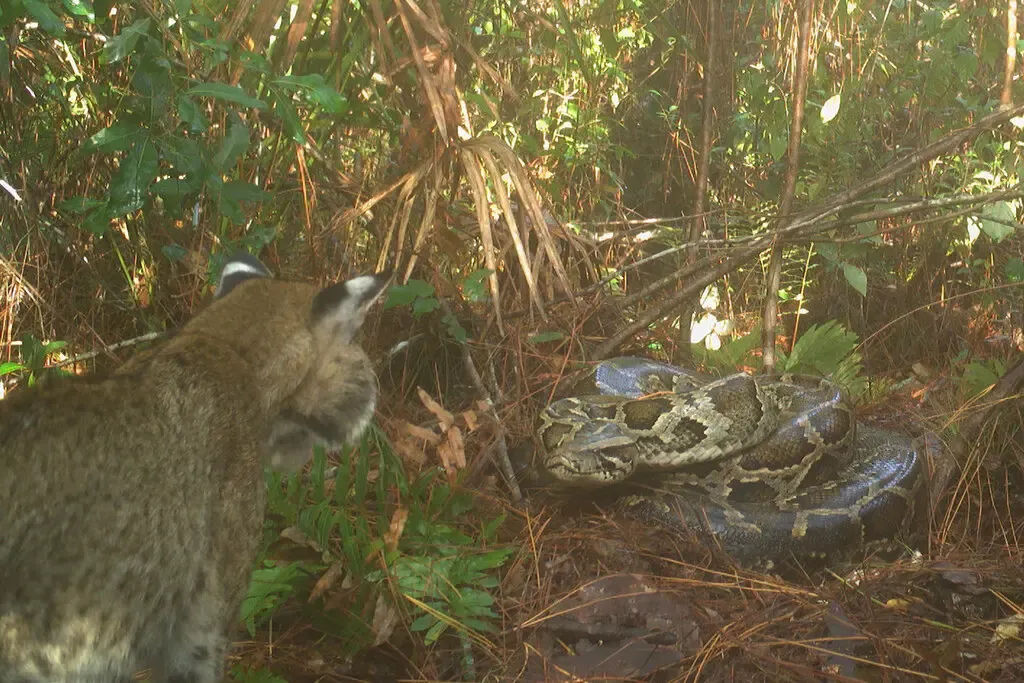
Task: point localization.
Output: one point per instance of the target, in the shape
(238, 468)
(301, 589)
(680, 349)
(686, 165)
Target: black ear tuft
(240, 267)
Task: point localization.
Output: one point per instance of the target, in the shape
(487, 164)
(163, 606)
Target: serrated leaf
(403, 295)
(123, 44)
(830, 109)
(227, 93)
(857, 278)
(129, 187)
(474, 285)
(48, 21)
(116, 137)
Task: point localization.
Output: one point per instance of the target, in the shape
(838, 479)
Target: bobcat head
(335, 399)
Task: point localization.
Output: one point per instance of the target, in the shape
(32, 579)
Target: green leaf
(403, 295)
(48, 21)
(8, 367)
(80, 9)
(542, 337)
(454, 327)
(227, 93)
(129, 188)
(98, 220)
(152, 80)
(289, 117)
(184, 155)
(857, 278)
(425, 305)
(191, 115)
(173, 252)
(80, 205)
(1014, 270)
(830, 109)
(235, 144)
(777, 146)
(316, 89)
(114, 138)
(474, 287)
(123, 44)
(997, 230)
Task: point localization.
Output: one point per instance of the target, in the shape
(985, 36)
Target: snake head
(588, 454)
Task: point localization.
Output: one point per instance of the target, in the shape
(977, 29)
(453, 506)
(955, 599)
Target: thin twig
(500, 447)
(152, 336)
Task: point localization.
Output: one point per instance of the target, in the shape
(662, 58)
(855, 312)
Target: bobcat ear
(240, 267)
(343, 306)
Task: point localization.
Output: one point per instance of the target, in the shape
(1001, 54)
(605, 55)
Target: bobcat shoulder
(132, 505)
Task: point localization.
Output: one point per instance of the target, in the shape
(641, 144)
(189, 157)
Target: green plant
(436, 567)
(34, 354)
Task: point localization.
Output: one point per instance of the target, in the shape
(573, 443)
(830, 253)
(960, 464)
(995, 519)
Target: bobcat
(131, 506)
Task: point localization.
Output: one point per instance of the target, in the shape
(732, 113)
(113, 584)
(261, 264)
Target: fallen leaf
(422, 433)
(452, 452)
(394, 532)
(472, 421)
(296, 536)
(326, 581)
(385, 617)
(410, 450)
(443, 416)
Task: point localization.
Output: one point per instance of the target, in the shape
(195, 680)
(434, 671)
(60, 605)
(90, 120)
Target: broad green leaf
(227, 93)
(474, 287)
(403, 295)
(8, 367)
(79, 9)
(315, 89)
(777, 146)
(242, 191)
(117, 137)
(1014, 270)
(123, 44)
(1000, 228)
(173, 252)
(185, 156)
(80, 205)
(830, 109)
(857, 278)
(48, 21)
(98, 221)
(152, 80)
(234, 145)
(191, 115)
(129, 187)
(289, 117)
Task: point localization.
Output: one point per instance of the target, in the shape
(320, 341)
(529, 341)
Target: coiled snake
(773, 467)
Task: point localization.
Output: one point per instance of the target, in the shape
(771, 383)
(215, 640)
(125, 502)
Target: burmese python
(773, 467)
